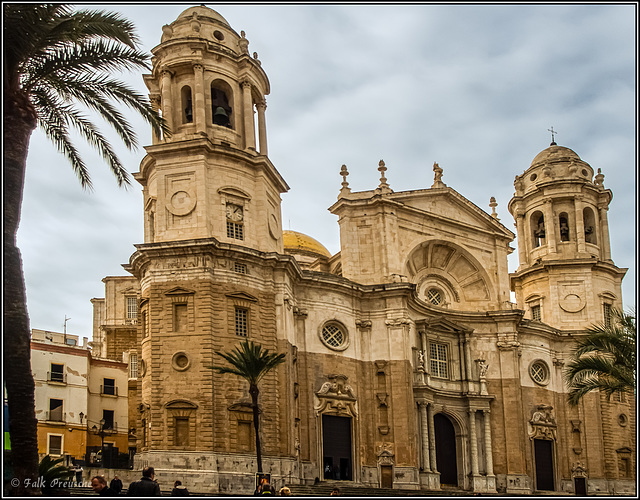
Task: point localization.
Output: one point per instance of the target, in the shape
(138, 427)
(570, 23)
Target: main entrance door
(543, 450)
(336, 447)
(445, 449)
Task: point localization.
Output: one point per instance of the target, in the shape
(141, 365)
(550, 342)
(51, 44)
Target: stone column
(523, 254)
(199, 99)
(487, 442)
(467, 360)
(432, 439)
(426, 463)
(155, 105)
(474, 442)
(580, 225)
(605, 243)
(167, 102)
(262, 127)
(249, 129)
(550, 227)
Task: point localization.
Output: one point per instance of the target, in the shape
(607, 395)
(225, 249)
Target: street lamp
(100, 432)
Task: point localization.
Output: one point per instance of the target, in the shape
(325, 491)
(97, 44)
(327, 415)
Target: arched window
(538, 233)
(220, 109)
(563, 223)
(187, 105)
(589, 226)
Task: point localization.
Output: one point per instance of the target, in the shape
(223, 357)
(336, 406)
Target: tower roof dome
(202, 11)
(295, 242)
(555, 153)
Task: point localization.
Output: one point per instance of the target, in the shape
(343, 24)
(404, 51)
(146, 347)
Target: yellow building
(80, 404)
(407, 364)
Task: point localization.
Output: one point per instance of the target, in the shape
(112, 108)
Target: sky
(474, 87)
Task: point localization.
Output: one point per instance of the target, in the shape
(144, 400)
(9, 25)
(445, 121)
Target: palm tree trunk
(18, 122)
(254, 391)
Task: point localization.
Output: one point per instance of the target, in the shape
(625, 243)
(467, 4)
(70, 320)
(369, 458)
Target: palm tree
(250, 362)
(53, 60)
(605, 359)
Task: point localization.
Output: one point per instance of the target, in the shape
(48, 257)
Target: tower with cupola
(566, 277)
(211, 177)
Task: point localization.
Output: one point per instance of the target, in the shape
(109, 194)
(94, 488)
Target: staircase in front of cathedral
(354, 490)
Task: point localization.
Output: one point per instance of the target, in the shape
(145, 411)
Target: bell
(220, 116)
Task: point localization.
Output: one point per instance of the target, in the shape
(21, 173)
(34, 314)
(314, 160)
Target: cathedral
(407, 364)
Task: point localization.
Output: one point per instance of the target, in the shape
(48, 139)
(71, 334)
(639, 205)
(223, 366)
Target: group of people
(146, 486)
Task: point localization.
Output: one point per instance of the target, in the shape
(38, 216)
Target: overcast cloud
(473, 87)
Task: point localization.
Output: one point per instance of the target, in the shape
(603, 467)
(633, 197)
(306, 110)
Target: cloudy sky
(473, 87)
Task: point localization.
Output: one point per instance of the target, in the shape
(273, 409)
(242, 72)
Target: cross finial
(553, 136)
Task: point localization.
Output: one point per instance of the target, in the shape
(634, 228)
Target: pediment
(442, 325)
(450, 207)
(242, 296)
(179, 291)
(180, 404)
(234, 191)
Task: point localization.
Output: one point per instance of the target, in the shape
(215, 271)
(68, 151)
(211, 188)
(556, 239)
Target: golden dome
(295, 242)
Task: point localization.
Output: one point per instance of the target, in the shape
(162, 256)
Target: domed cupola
(207, 84)
(560, 209)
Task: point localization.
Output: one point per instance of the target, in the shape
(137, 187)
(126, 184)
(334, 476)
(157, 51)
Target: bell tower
(566, 277)
(211, 177)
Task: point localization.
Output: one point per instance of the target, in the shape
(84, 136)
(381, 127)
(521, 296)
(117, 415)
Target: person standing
(179, 490)
(116, 484)
(146, 486)
(99, 485)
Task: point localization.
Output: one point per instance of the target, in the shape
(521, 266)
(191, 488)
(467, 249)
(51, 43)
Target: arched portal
(446, 460)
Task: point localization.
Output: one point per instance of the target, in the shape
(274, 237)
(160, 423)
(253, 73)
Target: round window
(622, 420)
(143, 367)
(180, 361)
(334, 336)
(539, 372)
(435, 296)
(533, 177)
(218, 35)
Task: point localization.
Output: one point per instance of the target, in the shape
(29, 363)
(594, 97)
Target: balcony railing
(108, 390)
(58, 377)
(56, 416)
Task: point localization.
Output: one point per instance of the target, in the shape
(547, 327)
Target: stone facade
(407, 364)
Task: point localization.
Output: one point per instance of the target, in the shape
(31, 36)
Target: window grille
(235, 230)
(535, 313)
(132, 307)
(607, 315)
(438, 360)
(242, 323)
(539, 372)
(240, 268)
(333, 336)
(434, 296)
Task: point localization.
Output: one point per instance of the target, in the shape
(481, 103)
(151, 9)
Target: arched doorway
(446, 460)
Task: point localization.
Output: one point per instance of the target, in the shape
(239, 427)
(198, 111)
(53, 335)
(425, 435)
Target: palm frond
(604, 359)
(249, 361)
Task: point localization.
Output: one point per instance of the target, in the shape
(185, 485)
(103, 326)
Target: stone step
(324, 489)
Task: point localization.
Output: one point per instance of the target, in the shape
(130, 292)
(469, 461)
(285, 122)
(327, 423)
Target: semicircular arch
(449, 268)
